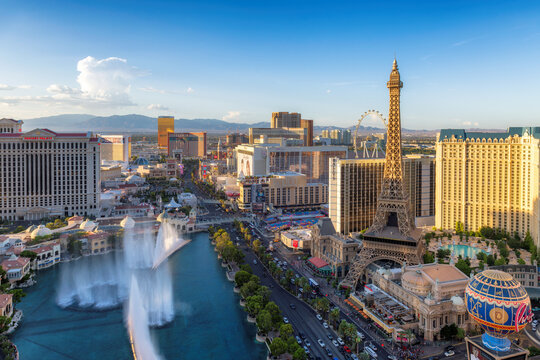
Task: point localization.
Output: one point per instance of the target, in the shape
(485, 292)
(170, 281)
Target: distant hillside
(135, 123)
(131, 123)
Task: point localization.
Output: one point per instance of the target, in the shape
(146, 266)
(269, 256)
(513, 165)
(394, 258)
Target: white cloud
(190, 90)
(9, 87)
(231, 115)
(157, 107)
(153, 90)
(102, 83)
(469, 123)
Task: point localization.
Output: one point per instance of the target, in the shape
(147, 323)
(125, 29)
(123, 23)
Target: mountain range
(135, 123)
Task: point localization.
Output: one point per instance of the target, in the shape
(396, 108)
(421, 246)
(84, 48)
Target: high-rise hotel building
(489, 179)
(355, 185)
(44, 173)
(165, 126)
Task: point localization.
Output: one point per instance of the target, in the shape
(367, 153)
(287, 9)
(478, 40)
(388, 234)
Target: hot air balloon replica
(501, 306)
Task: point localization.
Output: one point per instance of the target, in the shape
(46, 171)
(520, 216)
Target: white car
(449, 353)
(321, 343)
(340, 341)
(298, 340)
(325, 325)
(335, 343)
(285, 320)
(319, 317)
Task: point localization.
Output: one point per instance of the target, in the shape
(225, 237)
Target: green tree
(460, 334)
(241, 277)
(490, 260)
(246, 268)
(249, 289)
(464, 267)
(264, 321)
(4, 323)
(18, 294)
(428, 258)
(274, 312)
(500, 261)
(448, 332)
(299, 354)
(322, 304)
(278, 346)
(285, 330)
(256, 243)
(28, 254)
(459, 227)
(19, 229)
(334, 316)
(521, 261)
(254, 304)
(264, 293)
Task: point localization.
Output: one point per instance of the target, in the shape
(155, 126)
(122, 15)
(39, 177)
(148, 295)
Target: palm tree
(334, 316)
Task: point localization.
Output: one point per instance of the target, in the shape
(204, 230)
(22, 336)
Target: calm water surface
(209, 323)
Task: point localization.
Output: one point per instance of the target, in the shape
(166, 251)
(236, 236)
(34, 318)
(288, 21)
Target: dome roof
(457, 300)
(41, 230)
(140, 161)
(500, 305)
(127, 223)
(415, 278)
(88, 225)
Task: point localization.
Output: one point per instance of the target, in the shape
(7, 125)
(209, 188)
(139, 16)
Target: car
(298, 340)
(308, 344)
(328, 352)
(254, 262)
(325, 325)
(284, 263)
(302, 335)
(391, 357)
(285, 320)
(346, 348)
(335, 343)
(330, 336)
(292, 306)
(360, 335)
(319, 317)
(297, 276)
(340, 341)
(373, 347)
(449, 353)
(321, 343)
(306, 349)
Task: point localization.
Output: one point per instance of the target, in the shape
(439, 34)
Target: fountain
(102, 282)
(167, 243)
(137, 325)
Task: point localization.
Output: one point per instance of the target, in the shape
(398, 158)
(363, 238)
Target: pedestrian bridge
(205, 224)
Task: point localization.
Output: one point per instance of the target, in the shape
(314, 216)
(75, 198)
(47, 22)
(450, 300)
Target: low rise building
(16, 268)
(297, 239)
(47, 255)
(140, 210)
(110, 172)
(287, 190)
(527, 275)
(99, 243)
(429, 296)
(6, 305)
(336, 250)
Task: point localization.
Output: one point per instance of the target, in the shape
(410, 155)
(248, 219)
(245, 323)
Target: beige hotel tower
(489, 179)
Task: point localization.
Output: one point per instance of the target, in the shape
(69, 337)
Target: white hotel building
(44, 173)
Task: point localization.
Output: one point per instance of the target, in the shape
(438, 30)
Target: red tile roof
(15, 264)
(318, 262)
(5, 299)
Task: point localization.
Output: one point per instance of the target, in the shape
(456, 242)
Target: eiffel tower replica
(392, 235)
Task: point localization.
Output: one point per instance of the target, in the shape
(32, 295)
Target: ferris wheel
(369, 149)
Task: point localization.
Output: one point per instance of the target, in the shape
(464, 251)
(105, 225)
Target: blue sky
(463, 63)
